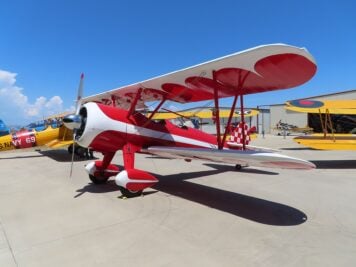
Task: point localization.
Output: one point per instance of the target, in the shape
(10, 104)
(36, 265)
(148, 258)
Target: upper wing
(260, 69)
(330, 106)
(244, 158)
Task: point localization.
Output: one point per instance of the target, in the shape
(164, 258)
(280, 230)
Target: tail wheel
(128, 193)
(98, 180)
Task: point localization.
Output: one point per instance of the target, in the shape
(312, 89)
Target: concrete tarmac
(199, 214)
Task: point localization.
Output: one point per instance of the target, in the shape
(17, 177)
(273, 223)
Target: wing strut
(230, 118)
(217, 115)
(238, 90)
(113, 100)
(157, 108)
(154, 112)
(134, 102)
(243, 122)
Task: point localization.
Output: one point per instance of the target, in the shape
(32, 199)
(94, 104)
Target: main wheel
(98, 180)
(128, 193)
(238, 167)
(80, 151)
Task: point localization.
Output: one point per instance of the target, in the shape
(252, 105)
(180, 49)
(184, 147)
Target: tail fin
(4, 130)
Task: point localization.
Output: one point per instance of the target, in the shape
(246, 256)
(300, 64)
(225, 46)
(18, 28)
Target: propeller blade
(73, 151)
(74, 121)
(80, 94)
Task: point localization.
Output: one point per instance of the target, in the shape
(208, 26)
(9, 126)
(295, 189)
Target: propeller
(73, 121)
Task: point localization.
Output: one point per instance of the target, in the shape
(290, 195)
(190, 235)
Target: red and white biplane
(114, 120)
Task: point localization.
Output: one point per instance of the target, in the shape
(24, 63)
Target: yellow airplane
(49, 132)
(202, 114)
(326, 140)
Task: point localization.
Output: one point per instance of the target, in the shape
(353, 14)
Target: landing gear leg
(132, 181)
(128, 152)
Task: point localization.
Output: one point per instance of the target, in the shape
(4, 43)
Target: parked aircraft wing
(327, 106)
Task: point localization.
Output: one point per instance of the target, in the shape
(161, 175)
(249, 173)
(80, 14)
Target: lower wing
(243, 158)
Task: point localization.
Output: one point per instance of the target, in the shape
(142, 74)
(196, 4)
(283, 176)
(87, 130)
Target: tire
(98, 180)
(238, 167)
(80, 151)
(127, 193)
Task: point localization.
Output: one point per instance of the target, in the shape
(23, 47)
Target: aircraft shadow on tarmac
(335, 164)
(61, 155)
(110, 186)
(227, 168)
(248, 207)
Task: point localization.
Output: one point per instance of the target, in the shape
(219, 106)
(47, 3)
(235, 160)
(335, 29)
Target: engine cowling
(135, 180)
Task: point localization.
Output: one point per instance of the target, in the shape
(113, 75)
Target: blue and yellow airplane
(49, 132)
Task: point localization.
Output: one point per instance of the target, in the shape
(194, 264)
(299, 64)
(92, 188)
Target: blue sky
(45, 45)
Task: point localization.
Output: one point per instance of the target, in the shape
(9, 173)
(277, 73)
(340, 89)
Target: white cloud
(7, 78)
(15, 107)
(54, 103)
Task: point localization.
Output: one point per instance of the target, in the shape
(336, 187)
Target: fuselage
(108, 129)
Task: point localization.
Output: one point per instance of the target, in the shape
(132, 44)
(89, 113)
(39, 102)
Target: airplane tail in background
(4, 130)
